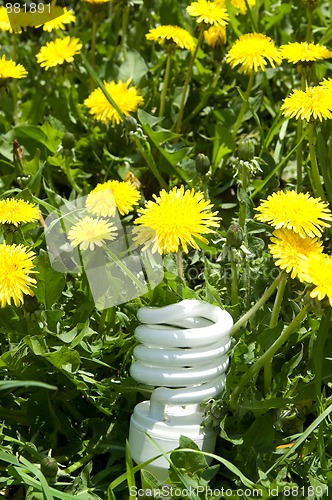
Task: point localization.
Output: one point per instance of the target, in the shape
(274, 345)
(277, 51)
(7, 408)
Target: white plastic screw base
(179, 421)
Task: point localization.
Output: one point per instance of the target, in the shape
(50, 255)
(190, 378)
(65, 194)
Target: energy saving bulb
(183, 352)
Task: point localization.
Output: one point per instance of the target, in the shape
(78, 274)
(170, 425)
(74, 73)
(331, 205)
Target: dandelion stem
(149, 160)
(244, 107)
(204, 100)
(69, 175)
(9, 236)
(124, 28)
(14, 83)
(254, 369)
(93, 42)
(93, 49)
(309, 24)
(179, 264)
(234, 284)
(314, 177)
(273, 324)
(299, 158)
(187, 81)
(102, 320)
(165, 84)
(107, 317)
(97, 81)
(266, 295)
(299, 151)
(82, 461)
(317, 356)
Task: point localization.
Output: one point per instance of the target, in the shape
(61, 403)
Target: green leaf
(31, 167)
(6, 167)
(6, 385)
(190, 462)
(35, 181)
(260, 435)
(50, 284)
(45, 135)
(10, 459)
(324, 163)
(42, 416)
(36, 472)
(147, 119)
(133, 68)
(130, 473)
(173, 153)
(161, 135)
(278, 14)
(37, 344)
(266, 404)
(233, 18)
(65, 359)
(20, 473)
(149, 482)
(223, 143)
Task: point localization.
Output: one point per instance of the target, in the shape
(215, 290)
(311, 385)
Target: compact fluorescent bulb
(183, 352)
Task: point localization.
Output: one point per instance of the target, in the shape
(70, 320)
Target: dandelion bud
(18, 158)
(68, 141)
(130, 123)
(49, 467)
(234, 236)
(246, 150)
(202, 163)
(215, 36)
(18, 154)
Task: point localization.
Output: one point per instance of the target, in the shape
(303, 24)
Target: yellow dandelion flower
(59, 22)
(252, 52)
(147, 238)
(166, 34)
(238, 4)
(209, 13)
(241, 5)
(13, 211)
(317, 269)
(175, 219)
(289, 248)
(310, 104)
(4, 20)
(96, 1)
(15, 267)
(304, 52)
(326, 83)
(126, 98)
(215, 36)
(297, 211)
(57, 52)
(89, 233)
(9, 69)
(110, 196)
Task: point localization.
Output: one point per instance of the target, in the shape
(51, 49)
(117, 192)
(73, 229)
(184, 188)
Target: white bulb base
(180, 421)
